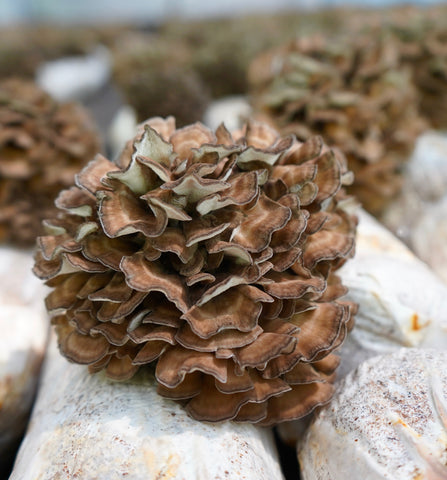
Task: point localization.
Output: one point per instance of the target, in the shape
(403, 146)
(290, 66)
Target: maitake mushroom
(222, 49)
(422, 41)
(156, 78)
(42, 145)
(420, 36)
(355, 94)
(211, 257)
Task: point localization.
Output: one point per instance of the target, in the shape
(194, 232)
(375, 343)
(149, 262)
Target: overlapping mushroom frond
(43, 144)
(211, 257)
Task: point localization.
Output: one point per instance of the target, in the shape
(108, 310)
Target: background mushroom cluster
(355, 94)
(43, 144)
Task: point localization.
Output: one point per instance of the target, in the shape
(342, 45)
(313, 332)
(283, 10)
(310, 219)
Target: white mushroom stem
(24, 327)
(86, 426)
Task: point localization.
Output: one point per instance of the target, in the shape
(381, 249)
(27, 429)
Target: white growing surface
(386, 421)
(88, 427)
(402, 303)
(24, 329)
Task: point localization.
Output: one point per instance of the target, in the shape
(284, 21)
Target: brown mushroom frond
(121, 213)
(84, 349)
(231, 310)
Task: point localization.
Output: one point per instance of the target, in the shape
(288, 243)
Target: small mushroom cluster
(209, 256)
(156, 77)
(42, 145)
(423, 48)
(355, 94)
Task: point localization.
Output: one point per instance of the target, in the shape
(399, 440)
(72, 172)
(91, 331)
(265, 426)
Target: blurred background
(144, 12)
(164, 57)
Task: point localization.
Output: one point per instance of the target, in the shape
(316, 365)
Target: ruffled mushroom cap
(155, 77)
(42, 145)
(210, 257)
(353, 93)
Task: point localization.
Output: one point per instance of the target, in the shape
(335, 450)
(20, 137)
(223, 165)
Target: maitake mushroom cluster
(355, 94)
(42, 145)
(156, 78)
(221, 49)
(423, 48)
(420, 37)
(209, 256)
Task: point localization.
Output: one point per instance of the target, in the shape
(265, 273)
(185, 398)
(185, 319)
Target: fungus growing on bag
(211, 257)
(423, 49)
(155, 77)
(42, 145)
(353, 93)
